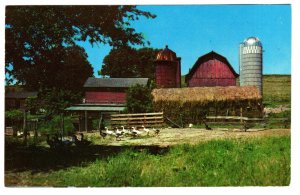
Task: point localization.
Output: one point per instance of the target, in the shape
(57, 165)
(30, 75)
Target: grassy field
(234, 162)
(277, 90)
(222, 157)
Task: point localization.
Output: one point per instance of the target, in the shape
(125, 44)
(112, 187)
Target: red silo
(167, 69)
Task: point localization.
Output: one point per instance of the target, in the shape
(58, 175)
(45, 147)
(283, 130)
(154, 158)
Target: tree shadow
(42, 159)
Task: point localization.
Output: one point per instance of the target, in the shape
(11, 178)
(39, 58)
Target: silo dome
(166, 55)
(252, 41)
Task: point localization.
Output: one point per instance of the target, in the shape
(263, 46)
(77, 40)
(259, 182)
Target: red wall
(105, 97)
(167, 75)
(212, 73)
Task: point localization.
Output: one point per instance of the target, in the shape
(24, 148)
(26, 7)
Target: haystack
(193, 104)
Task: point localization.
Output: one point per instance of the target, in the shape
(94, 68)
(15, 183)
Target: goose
(118, 134)
(103, 134)
(135, 132)
(156, 131)
(125, 131)
(108, 132)
(145, 129)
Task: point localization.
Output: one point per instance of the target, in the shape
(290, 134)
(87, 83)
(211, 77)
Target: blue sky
(194, 30)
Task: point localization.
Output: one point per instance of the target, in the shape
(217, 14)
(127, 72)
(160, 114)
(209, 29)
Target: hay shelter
(192, 104)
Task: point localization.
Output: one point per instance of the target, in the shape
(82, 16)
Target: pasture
(177, 157)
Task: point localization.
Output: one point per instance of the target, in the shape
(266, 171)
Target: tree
(40, 45)
(139, 99)
(130, 62)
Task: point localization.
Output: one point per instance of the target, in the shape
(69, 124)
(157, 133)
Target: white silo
(251, 63)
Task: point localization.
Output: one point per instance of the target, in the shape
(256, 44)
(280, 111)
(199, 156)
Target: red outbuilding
(109, 90)
(211, 69)
(167, 69)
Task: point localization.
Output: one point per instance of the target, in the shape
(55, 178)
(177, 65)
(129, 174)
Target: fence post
(25, 127)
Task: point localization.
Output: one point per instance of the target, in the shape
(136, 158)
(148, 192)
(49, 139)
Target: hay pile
(193, 103)
(206, 94)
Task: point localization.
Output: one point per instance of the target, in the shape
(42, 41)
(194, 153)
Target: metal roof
(20, 95)
(166, 55)
(252, 41)
(96, 107)
(114, 82)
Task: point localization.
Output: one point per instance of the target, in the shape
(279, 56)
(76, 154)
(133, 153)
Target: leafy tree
(40, 47)
(139, 99)
(129, 62)
(15, 119)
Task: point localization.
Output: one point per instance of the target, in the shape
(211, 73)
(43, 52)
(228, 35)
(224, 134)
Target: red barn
(167, 69)
(211, 69)
(109, 90)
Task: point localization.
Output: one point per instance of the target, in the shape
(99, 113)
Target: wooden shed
(211, 69)
(109, 90)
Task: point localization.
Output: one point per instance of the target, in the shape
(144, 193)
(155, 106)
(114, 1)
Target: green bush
(14, 118)
(139, 99)
(55, 125)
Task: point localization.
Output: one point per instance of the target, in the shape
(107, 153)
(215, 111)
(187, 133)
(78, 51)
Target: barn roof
(206, 94)
(20, 95)
(114, 82)
(97, 107)
(209, 56)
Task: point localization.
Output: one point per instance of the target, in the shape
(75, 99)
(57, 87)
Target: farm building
(102, 96)
(17, 100)
(167, 69)
(211, 69)
(109, 90)
(192, 104)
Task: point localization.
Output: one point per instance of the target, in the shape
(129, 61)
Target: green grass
(277, 90)
(244, 162)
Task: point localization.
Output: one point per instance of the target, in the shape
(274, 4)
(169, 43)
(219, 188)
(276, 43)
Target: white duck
(135, 132)
(108, 132)
(118, 134)
(125, 131)
(145, 129)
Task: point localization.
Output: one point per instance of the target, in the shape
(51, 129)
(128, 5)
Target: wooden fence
(247, 122)
(137, 120)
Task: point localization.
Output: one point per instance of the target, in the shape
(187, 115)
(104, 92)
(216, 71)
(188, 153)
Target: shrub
(139, 99)
(55, 125)
(14, 118)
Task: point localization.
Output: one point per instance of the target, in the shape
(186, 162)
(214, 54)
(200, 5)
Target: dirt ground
(172, 136)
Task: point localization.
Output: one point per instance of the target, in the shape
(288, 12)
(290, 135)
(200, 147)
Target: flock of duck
(56, 142)
(133, 131)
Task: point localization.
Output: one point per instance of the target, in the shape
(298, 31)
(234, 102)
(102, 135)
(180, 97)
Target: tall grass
(276, 90)
(253, 162)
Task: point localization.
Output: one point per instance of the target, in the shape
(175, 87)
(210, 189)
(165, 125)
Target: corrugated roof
(114, 82)
(20, 95)
(96, 107)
